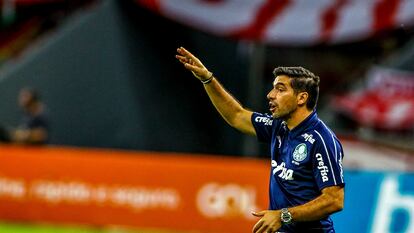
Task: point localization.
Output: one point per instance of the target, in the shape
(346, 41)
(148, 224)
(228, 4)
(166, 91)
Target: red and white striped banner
(387, 102)
(289, 22)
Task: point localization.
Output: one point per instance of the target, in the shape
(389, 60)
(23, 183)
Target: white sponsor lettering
(144, 198)
(230, 200)
(265, 120)
(340, 166)
(322, 168)
(391, 199)
(284, 173)
(54, 191)
(137, 198)
(75, 193)
(13, 188)
(308, 138)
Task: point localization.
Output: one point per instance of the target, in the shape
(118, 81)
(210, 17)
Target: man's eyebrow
(279, 84)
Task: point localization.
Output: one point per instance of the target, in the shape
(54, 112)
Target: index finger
(257, 225)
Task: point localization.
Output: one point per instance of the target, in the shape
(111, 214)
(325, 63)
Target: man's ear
(302, 98)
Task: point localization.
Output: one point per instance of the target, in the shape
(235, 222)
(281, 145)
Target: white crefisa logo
(322, 168)
(284, 173)
(300, 152)
(265, 120)
(308, 138)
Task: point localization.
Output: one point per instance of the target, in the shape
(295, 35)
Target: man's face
(282, 98)
(25, 98)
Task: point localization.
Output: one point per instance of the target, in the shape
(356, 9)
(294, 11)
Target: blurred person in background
(306, 183)
(34, 126)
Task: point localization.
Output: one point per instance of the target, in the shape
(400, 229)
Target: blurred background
(133, 143)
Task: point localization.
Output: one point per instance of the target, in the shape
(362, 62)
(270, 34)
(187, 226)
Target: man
(306, 181)
(34, 126)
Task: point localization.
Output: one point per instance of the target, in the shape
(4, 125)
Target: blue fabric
(304, 161)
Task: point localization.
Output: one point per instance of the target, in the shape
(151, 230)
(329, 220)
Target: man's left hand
(269, 221)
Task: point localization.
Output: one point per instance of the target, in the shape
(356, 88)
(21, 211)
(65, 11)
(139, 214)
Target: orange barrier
(157, 190)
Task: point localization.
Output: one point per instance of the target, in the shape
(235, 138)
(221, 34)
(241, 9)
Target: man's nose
(270, 95)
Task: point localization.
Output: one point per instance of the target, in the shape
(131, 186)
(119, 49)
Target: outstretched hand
(193, 64)
(269, 221)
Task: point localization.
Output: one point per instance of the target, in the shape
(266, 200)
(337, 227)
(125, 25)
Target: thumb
(259, 214)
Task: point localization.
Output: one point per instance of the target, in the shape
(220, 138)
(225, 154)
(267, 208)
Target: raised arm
(228, 107)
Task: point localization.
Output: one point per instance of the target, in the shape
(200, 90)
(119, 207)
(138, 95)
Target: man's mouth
(272, 107)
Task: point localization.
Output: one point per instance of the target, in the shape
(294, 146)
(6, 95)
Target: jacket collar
(306, 124)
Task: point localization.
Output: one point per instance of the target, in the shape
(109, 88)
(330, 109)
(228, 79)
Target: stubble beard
(285, 115)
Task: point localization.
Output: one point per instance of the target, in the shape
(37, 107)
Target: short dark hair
(34, 94)
(302, 80)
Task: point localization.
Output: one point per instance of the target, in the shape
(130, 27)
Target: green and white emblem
(300, 152)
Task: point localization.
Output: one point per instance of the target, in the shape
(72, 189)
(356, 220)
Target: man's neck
(297, 117)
